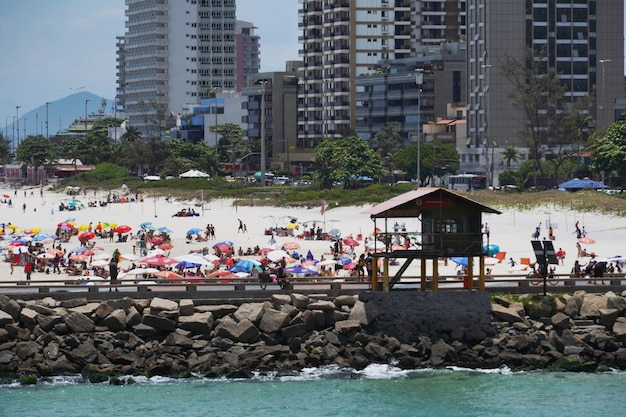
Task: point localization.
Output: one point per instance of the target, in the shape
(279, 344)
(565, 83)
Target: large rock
(345, 300)
(28, 316)
(592, 303)
(5, 318)
(79, 323)
(199, 323)
(250, 311)
(243, 331)
(186, 307)
(323, 305)
(13, 308)
(619, 328)
(159, 323)
(347, 326)
(158, 305)
(358, 313)
(561, 321)
(115, 321)
(506, 314)
(218, 311)
(299, 301)
(273, 320)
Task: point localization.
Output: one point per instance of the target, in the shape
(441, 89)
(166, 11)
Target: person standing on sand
(240, 229)
(115, 259)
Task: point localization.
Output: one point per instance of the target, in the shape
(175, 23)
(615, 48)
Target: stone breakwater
(289, 332)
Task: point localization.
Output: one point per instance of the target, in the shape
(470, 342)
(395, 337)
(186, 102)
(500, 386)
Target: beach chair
(500, 256)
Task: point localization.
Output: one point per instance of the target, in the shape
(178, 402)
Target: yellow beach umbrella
(83, 227)
(35, 230)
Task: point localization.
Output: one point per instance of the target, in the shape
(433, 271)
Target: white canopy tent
(194, 173)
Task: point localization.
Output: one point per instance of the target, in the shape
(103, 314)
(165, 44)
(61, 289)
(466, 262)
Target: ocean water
(377, 391)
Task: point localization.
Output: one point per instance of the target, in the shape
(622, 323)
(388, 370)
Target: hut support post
(481, 276)
(385, 274)
(435, 274)
(470, 272)
(375, 274)
(423, 284)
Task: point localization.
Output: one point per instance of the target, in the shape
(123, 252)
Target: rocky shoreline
(289, 332)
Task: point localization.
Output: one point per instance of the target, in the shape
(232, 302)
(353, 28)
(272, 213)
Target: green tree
(72, 149)
(608, 151)
(231, 144)
(35, 151)
(344, 158)
(132, 134)
(6, 155)
(538, 93)
(436, 160)
(388, 143)
(509, 155)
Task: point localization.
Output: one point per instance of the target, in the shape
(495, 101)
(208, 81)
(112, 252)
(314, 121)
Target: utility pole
(419, 80)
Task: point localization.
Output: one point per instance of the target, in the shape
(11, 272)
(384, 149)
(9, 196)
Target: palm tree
(132, 134)
(508, 155)
(387, 143)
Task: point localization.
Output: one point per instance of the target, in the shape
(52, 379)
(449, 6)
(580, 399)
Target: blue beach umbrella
(79, 249)
(39, 237)
(459, 260)
(491, 250)
(243, 266)
(164, 230)
(187, 264)
(193, 231)
(145, 225)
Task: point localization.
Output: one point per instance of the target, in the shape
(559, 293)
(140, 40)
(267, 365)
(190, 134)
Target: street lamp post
(487, 95)
(86, 101)
(24, 127)
(47, 103)
(17, 119)
(419, 80)
(603, 61)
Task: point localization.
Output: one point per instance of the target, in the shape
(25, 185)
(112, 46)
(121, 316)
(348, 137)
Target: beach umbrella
(145, 224)
(165, 230)
(218, 273)
(159, 260)
(156, 240)
(225, 242)
(101, 256)
(83, 227)
(65, 223)
(195, 258)
(309, 256)
(335, 233)
(100, 262)
(244, 266)
(327, 262)
(168, 275)
(210, 257)
(292, 226)
(79, 249)
(45, 255)
(587, 240)
(193, 231)
(350, 266)
(79, 257)
(187, 264)
(291, 246)
(459, 260)
(300, 269)
(124, 228)
(48, 240)
(349, 241)
(140, 271)
(55, 252)
(86, 236)
(6, 196)
(166, 246)
(277, 255)
(491, 250)
(39, 237)
(345, 260)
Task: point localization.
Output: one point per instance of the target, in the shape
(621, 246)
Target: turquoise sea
(377, 391)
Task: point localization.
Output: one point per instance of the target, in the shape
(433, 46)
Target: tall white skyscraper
(175, 53)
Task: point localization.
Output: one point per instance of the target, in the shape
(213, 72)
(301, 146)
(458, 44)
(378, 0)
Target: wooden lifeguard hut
(442, 224)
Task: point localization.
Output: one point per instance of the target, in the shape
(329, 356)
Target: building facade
(584, 43)
(270, 102)
(342, 40)
(248, 53)
(175, 52)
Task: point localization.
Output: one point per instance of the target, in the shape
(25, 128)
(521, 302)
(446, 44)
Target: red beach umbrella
(166, 246)
(349, 241)
(86, 236)
(159, 260)
(123, 228)
(156, 240)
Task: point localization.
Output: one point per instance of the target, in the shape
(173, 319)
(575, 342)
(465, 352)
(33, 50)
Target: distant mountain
(61, 114)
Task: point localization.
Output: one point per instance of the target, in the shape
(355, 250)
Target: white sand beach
(511, 230)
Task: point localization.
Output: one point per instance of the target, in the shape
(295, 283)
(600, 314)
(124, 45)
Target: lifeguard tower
(442, 224)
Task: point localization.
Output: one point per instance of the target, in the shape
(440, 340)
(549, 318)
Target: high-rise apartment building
(584, 43)
(175, 53)
(344, 39)
(248, 55)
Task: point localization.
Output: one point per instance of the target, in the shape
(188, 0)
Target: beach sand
(511, 230)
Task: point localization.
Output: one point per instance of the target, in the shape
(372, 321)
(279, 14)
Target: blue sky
(53, 48)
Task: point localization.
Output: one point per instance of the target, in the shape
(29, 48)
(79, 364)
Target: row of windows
(217, 14)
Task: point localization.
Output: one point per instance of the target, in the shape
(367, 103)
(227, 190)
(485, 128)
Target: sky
(51, 49)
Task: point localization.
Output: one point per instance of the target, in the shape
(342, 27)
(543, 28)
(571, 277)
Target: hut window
(448, 226)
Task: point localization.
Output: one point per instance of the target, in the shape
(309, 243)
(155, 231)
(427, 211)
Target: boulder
(273, 320)
(506, 314)
(218, 311)
(177, 339)
(158, 305)
(186, 307)
(345, 300)
(618, 303)
(619, 329)
(358, 313)
(440, 352)
(79, 323)
(561, 321)
(243, 331)
(162, 324)
(47, 323)
(299, 301)
(115, 321)
(323, 305)
(347, 326)
(28, 316)
(592, 303)
(73, 303)
(5, 318)
(88, 309)
(608, 316)
(280, 299)
(13, 308)
(250, 311)
(198, 323)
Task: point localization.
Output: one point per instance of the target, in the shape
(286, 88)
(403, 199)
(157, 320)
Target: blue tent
(578, 184)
